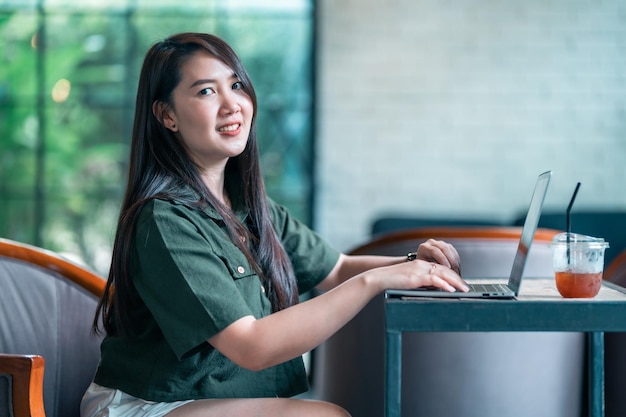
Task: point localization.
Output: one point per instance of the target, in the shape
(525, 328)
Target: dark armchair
(46, 309)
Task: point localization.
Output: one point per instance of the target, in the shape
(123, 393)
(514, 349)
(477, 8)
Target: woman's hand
(441, 253)
(422, 273)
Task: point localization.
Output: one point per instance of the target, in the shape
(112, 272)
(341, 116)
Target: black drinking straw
(568, 225)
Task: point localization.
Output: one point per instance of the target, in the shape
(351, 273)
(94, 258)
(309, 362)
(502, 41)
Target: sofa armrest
(26, 373)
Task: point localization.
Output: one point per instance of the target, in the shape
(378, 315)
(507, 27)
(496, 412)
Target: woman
(201, 307)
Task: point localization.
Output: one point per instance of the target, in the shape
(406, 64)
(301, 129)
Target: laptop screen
(529, 229)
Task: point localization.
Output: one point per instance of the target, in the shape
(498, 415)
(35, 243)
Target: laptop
(495, 290)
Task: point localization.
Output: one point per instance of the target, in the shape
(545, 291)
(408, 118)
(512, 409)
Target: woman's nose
(230, 103)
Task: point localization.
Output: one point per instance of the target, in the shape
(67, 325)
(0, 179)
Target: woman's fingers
(440, 252)
(443, 277)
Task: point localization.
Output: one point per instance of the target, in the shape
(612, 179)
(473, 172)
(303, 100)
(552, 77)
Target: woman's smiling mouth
(229, 128)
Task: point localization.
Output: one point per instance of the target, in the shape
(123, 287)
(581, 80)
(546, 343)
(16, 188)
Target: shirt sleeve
(312, 258)
(193, 284)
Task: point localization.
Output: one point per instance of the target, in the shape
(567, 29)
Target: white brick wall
(431, 107)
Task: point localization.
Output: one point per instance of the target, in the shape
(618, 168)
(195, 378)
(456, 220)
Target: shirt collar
(236, 200)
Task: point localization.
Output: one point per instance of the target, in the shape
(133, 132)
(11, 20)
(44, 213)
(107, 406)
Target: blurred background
(369, 108)
(68, 79)
(451, 109)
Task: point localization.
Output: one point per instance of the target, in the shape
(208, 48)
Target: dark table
(539, 307)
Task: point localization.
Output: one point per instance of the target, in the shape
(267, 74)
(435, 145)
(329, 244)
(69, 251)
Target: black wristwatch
(411, 256)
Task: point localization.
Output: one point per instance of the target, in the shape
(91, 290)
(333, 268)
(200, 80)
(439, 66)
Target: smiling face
(209, 111)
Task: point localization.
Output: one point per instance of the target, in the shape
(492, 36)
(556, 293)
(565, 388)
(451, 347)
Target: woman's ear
(164, 115)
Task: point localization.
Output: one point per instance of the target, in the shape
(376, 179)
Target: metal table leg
(595, 365)
(393, 374)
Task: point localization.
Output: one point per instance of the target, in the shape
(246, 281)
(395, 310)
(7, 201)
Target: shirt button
(241, 269)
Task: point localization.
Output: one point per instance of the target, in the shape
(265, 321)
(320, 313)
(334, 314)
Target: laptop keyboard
(482, 288)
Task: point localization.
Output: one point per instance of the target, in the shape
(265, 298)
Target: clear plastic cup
(578, 262)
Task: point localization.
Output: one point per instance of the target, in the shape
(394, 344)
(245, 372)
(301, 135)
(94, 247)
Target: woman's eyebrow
(233, 76)
(203, 81)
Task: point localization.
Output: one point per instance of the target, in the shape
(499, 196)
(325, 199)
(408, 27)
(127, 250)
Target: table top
(545, 290)
(539, 307)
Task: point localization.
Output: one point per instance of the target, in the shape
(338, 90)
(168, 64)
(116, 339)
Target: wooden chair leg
(27, 380)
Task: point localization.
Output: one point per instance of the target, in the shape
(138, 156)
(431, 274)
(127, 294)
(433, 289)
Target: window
(67, 89)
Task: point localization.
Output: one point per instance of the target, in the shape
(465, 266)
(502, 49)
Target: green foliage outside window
(68, 77)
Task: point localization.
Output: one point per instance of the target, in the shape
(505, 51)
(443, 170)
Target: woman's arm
(260, 343)
(349, 266)
(432, 250)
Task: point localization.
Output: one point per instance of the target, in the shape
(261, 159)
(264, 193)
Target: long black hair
(161, 168)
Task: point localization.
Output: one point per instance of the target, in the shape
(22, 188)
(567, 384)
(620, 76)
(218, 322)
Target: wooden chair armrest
(27, 381)
(50, 260)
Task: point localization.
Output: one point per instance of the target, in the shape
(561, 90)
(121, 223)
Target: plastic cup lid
(575, 239)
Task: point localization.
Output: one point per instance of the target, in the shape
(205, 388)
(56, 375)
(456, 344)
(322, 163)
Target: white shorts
(101, 401)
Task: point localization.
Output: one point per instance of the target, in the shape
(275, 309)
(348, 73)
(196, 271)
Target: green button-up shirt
(192, 282)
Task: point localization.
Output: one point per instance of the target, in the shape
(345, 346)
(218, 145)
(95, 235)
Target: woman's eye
(238, 86)
(206, 91)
